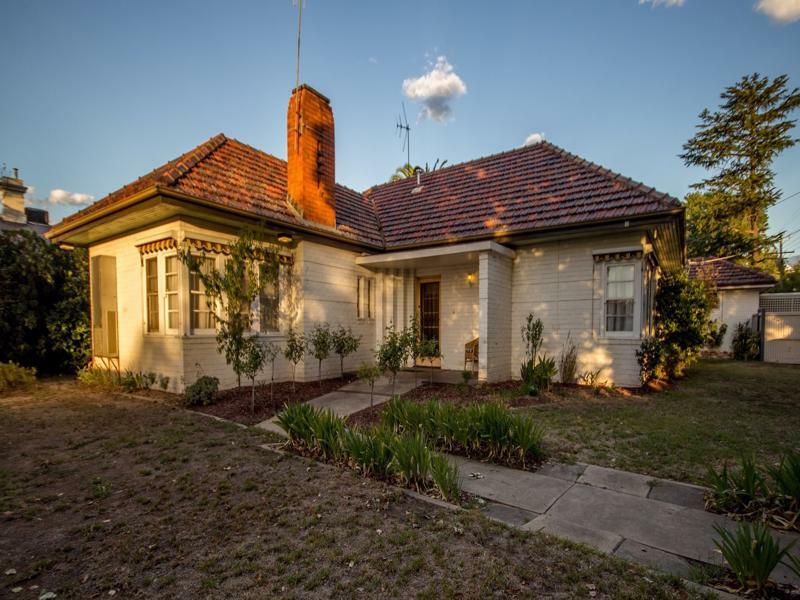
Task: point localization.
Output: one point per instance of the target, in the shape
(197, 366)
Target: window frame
(262, 330)
(176, 292)
(192, 330)
(636, 323)
(148, 295)
(365, 298)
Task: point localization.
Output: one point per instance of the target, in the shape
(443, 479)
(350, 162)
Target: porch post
(494, 322)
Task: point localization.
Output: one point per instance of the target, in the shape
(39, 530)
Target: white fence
(781, 335)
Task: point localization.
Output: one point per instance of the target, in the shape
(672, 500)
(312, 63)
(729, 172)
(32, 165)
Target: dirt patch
(234, 404)
(102, 493)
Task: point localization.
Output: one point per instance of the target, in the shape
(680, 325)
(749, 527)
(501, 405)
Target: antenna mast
(404, 131)
(299, 30)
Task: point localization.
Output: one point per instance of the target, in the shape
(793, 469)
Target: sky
(96, 93)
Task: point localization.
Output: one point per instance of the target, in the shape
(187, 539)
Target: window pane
(620, 273)
(151, 290)
(360, 298)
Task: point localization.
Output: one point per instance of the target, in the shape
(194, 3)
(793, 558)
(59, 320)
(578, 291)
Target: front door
(429, 317)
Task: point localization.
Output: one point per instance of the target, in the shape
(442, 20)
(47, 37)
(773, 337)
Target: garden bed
(234, 404)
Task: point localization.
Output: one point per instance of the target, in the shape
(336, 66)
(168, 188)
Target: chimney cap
(305, 86)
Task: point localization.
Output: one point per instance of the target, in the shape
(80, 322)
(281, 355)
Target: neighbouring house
(470, 249)
(738, 290)
(15, 215)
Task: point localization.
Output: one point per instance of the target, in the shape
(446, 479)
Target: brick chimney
(12, 193)
(311, 169)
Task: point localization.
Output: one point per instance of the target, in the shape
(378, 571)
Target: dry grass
(101, 493)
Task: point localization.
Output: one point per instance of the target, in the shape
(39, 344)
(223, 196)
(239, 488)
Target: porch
(459, 293)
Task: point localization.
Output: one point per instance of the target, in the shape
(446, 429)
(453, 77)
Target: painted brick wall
(495, 280)
(735, 306)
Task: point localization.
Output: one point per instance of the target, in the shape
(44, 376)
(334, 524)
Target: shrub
(650, 357)
(163, 382)
(319, 345)
(12, 375)
(44, 304)
(328, 429)
(411, 459)
(736, 490)
(202, 392)
(393, 352)
(537, 372)
(98, 377)
(751, 552)
(716, 334)
(369, 451)
(344, 344)
(296, 420)
(544, 372)
(369, 372)
(746, 343)
(568, 361)
(445, 476)
(786, 481)
(295, 350)
(793, 563)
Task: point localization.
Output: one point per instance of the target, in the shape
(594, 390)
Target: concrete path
(655, 522)
(354, 397)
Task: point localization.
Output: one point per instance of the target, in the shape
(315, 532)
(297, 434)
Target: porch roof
(451, 254)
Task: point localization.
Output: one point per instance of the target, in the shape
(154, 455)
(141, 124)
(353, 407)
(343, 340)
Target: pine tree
(738, 143)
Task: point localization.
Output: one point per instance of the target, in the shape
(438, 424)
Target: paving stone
(383, 385)
(529, 491)
(510, 515)
(605, 541)
(562, 471)
(653, 558)
(682, 494)
(346, 403)
(676, 529)
(619, 481)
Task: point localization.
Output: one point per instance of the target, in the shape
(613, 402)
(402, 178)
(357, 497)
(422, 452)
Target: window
(171, 288)
(366, 298)
(620, 293)
(201, 316)
(269, 307)
(151, 291)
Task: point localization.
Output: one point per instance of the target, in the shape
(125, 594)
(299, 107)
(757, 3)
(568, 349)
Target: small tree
(344, 344)
(319, 346)
(271, 352)
(428, 350)
(252, 264)
(392, 353)
(253, 357)
(294, 351)
(369, 373)
(412, 341)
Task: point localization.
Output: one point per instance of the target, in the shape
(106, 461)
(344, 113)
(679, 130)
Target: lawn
(720, 411)
(101, 493)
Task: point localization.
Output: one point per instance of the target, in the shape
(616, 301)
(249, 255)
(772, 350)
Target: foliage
(592, 379)
(44, 304)
(133, 381)
(751, 552)
(294, 351)
(393, 352)
(789, 280)
(544, 372)
(328, 429)
(786, 481)
(682, 310)
(95, 376)
(369, 450)
(344, 343)
(568, 361)
(704, 235)
(466, 377)
(445, 476)
(163, 382)
(202, 391)
(12, 375)
(532, 336)
(408, 170)
(793, 563)
(320, 344)
(716, 334)
(252, 264)
(252, 361)
(483, 430)
(746, 343)
(411, 459)
(296, 420)
(739, 142)
(538, 371)
(369, 372)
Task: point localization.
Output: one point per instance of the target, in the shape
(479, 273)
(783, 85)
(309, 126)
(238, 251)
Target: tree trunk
(341, 365)
(371, 394)
(272, 385)
(294, 368)
(319, 375)
(253, 397)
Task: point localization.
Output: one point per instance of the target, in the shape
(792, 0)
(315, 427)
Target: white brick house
(470, 249)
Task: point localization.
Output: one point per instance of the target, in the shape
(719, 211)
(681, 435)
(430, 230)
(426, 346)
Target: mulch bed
(234, 404)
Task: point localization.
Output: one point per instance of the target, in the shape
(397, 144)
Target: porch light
(470, 278)
(285, 238)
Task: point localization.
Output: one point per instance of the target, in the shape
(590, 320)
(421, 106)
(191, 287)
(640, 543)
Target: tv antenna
(299, 4)
(404, 132)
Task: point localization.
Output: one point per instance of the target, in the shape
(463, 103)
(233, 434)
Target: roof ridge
(189, 160)
(459, 164)
(611, 174)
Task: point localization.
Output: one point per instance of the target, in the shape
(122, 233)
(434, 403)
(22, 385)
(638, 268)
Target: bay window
(200, 315)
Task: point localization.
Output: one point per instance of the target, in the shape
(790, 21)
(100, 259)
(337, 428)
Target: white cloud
(533, 139)
(436, 90)
(667, 3)
(782, 11)
(69, 198)
(372, 60)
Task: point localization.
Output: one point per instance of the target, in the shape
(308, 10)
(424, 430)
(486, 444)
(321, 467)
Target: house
(738, 290)
(15, 216)
(470, 249)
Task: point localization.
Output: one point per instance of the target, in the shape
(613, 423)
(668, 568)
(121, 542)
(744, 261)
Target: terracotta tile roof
(725, 273)
(232, 174)
(528, 188)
